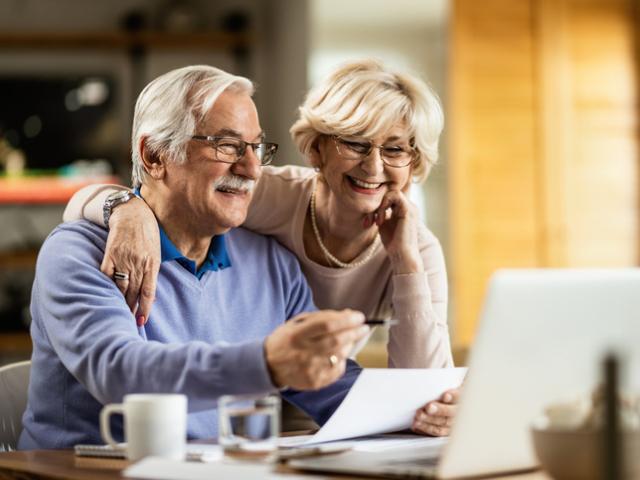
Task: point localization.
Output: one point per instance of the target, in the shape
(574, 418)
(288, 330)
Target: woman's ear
(316, 153)
(153, 163)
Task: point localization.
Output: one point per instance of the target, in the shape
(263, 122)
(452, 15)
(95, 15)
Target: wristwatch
(113, 200)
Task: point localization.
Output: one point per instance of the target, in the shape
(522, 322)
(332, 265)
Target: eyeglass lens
(393, 155)
(232, 150)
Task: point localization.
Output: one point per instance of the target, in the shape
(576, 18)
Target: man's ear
(153, 163)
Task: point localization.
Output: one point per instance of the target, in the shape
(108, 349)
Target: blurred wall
(276, 58)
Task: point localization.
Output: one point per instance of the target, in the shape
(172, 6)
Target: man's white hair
(170, 108)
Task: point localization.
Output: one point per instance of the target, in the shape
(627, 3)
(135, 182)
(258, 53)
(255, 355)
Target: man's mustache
(234, 182)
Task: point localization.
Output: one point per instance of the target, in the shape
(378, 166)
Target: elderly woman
(367, 132)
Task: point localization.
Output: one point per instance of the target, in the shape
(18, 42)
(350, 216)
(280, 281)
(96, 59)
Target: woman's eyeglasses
(396, 156)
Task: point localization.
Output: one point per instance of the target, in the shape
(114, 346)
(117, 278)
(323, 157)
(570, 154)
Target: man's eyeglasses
(232, 150)
(396, 156)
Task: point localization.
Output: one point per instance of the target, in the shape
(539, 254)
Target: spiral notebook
(196, 452)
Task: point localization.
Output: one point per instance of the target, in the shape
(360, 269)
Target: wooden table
(63, 464)
(58, 464)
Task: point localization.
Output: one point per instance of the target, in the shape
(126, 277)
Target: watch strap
(113, 200)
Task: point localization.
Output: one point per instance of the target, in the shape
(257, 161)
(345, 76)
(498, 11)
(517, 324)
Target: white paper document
(385, 400)
(370, 443)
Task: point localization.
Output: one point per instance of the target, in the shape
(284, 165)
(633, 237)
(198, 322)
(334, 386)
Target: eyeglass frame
(240, 155)
(413, 152)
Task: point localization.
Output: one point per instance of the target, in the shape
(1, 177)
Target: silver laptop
(542, 336)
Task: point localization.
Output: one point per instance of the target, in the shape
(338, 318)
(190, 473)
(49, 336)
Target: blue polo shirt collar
(217, 257)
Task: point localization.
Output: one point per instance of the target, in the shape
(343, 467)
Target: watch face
(114, 199)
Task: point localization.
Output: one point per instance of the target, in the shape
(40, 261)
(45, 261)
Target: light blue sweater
(204, 337)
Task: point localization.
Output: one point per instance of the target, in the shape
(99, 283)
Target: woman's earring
(316, 169)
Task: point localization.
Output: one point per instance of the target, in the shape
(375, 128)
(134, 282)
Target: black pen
(380, 321)
(369, 321)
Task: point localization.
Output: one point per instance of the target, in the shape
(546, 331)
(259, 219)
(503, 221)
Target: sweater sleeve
(320, 404)
(421, 337)
(91, 329)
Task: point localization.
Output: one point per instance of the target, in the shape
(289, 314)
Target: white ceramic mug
(154, 425)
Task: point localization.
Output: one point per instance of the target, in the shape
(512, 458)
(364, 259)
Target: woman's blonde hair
(366, 99)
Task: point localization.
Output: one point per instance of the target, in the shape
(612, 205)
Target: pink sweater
(418, 301)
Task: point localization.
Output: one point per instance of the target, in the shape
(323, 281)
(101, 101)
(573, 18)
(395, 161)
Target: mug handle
(105, 428)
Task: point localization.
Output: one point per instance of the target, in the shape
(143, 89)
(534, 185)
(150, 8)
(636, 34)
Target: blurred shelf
(44, 190)
(119, 40)
(18, 260)
(15, 343)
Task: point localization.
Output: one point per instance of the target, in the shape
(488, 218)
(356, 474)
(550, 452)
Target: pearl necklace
(371, 249)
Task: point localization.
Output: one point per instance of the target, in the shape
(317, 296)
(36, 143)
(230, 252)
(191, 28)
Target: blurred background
(539, 159)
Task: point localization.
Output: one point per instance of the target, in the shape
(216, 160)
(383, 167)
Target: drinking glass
(249, 425)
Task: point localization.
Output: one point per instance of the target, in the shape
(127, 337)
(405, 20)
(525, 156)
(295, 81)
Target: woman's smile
(364, 187)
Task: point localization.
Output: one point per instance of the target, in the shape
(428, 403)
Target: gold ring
(333, 360)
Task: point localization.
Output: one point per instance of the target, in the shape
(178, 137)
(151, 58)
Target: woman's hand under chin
(397, 220)
(133, 247)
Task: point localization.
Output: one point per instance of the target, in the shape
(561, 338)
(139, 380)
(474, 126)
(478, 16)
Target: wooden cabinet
(543, 131)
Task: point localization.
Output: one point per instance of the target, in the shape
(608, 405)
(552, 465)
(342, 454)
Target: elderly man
(223, 295)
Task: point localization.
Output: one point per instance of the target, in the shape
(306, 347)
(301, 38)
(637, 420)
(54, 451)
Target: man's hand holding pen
(310, 351)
